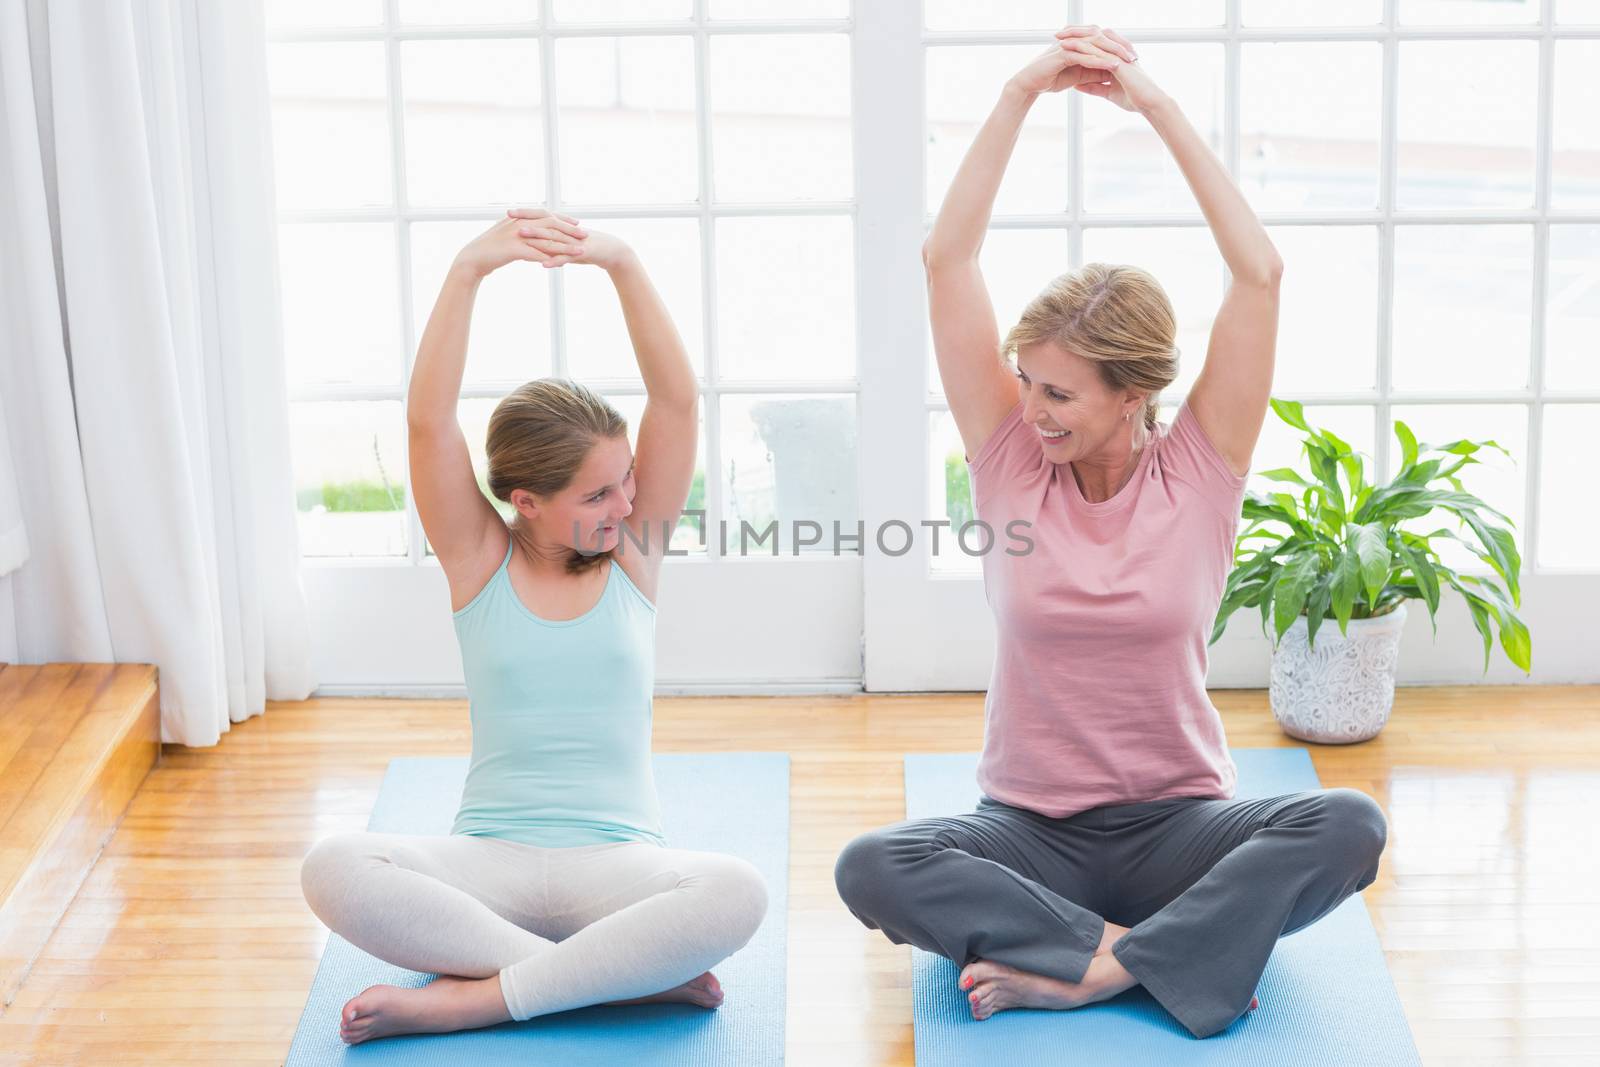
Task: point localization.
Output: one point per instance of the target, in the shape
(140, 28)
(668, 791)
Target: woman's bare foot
(992, 987)
(705, 991)
(443, 1005)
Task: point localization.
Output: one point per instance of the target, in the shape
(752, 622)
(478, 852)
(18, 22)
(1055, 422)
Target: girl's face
(1065, 402)
(587, 515)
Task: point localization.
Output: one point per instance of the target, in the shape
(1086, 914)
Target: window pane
(474, 12)
(950, 497)
(1047, 15)
(1575, 149)
(1328, 310)
(1281, 445)
(1186, 264)
(786, 298)
(473, 130)
(1017, 265)
(1466, 139)
(963, 85)
(1572, 328)
(782, 138)
(1120, 15)
(1127, 167)
(1467, 12)
(1578, 12)
(349, 477)
(597, 335)
(1310, 115)
(1496, 480)
(1461, 307)
(779, 9)
(1311, 13)
(341, 303)
(622, 100)
(623, 10)
(315, 14)
(1567, 514)
(692, 532)
(510, 336)
(330, 125)
(789, 460)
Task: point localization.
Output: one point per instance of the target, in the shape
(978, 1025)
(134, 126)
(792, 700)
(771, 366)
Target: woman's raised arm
(966, 338)
(1229, 399)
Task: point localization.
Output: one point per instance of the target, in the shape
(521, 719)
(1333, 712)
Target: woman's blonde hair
(538, 438)
(1116, 316)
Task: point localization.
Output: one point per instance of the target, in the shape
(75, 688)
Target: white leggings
(563, 927)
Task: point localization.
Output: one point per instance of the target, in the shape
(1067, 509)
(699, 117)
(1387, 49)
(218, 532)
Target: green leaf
(1514, 636)
(1355, 472)
(1346, 583)
(1238, 598)
(1291, 412)
(1289, 595)
(1317, 607)
(1480, 619)
(1408, 444)
(1502, 550)
(1427, 580)
(1327, 472)
(1284, 474)
(1266, 597)
(1372, 548)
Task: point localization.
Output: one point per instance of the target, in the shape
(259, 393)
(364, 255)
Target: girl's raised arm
(669, 428)
(460, 522)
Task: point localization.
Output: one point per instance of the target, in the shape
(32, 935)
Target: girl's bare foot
(443, 1005)
(992, 987)
(705, 991)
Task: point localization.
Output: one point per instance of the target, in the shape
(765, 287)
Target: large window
(714, 137)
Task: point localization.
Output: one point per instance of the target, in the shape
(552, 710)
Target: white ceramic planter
(1343, 690)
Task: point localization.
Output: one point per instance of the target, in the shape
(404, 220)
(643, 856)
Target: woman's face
(587, 515)
(1065, 403)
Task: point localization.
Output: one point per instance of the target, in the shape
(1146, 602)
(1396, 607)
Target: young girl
(1107, 850)
(554, 889)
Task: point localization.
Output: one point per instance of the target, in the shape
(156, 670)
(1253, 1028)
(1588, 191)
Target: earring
(1125, 416)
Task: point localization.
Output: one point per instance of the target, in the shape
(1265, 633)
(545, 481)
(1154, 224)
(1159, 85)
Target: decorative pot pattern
(1343, 690)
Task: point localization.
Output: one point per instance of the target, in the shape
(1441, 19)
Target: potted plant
(1331, 549)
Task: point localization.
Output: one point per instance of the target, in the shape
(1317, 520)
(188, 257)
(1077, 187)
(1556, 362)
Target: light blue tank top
(561, 714)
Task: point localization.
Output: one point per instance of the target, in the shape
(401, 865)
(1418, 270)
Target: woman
(554, 889)
(1106, 851)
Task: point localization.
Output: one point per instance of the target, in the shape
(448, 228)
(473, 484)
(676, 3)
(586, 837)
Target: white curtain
(142, 380)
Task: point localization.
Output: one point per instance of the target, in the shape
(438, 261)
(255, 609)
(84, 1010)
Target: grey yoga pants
(1206, 886)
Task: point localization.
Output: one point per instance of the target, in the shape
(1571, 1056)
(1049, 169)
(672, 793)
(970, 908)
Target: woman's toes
(977, 971)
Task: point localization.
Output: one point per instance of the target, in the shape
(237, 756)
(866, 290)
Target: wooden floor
(190, 942)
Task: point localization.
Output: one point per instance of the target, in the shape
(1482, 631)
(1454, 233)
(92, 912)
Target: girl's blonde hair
(538, 437)
(1116, 316)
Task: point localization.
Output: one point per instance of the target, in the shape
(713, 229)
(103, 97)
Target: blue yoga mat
(1326, 996)
(726, 802)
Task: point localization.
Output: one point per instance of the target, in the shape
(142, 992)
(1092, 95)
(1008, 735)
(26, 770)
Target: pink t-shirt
(1098, 695)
